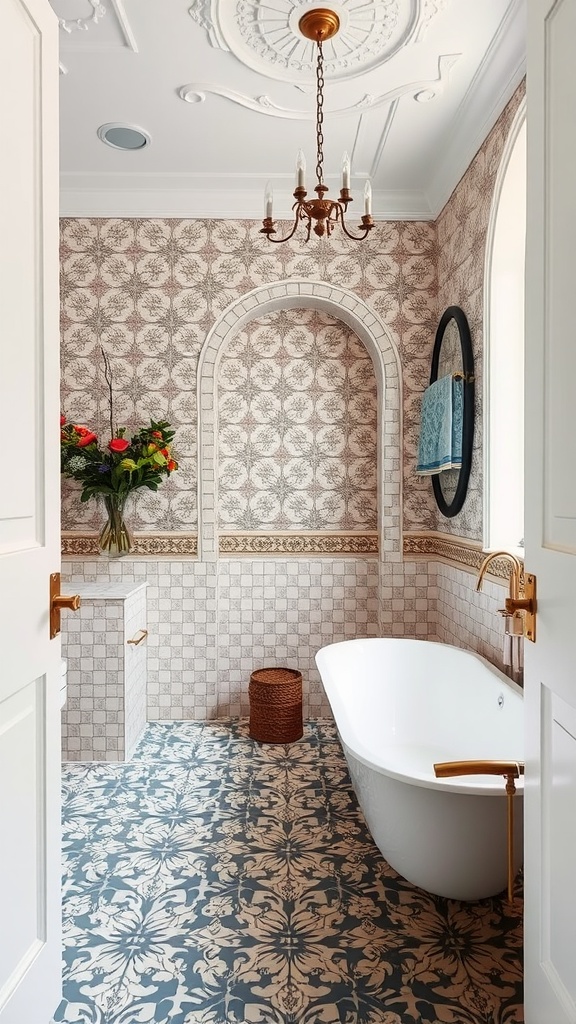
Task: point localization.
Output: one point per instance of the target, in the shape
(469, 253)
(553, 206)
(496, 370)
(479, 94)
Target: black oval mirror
(453, 356)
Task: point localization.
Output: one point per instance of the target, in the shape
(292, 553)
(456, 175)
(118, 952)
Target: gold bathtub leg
(511, 770)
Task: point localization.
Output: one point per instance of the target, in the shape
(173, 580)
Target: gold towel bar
(140, 636)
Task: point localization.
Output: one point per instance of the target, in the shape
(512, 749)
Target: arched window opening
(504, 349)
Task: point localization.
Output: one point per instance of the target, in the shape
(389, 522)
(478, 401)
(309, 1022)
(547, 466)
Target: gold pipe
(511, 770)
(515, 572)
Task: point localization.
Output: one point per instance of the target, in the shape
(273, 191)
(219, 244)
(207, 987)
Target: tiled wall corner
(468, 618)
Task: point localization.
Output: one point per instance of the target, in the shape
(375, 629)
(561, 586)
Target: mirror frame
(450, 509)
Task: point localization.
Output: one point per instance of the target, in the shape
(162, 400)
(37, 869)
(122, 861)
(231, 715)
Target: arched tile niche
(342, 305)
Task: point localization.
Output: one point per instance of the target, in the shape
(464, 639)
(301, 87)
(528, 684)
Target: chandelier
(321, 214)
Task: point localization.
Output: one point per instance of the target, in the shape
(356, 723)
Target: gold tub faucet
(515, 572)
(520, 605)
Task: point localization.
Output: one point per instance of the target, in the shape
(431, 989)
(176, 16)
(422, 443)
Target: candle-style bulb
(367, 197)
(300, 169)
(268, 199)
(345, 171)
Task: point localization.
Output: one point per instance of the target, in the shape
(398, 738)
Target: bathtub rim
(489, 786)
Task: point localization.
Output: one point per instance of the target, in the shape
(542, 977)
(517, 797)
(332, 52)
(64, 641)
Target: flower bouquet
(117, 469)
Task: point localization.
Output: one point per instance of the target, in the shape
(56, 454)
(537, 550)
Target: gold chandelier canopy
(322, 214)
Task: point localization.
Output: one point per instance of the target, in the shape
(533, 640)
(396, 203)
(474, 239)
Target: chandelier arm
(288, 237)
(356, 238)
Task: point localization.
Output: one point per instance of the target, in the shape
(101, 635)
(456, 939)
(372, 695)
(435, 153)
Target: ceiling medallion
(321, 214)
(266, 37)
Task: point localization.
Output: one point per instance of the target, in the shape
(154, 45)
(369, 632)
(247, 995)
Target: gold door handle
(59, 601)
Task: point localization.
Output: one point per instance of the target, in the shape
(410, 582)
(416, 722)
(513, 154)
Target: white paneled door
(550, 697)
(29, 514)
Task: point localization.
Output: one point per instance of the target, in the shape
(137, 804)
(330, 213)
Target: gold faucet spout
(515, 571)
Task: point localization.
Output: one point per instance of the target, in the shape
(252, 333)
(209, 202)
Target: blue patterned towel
(441, 426)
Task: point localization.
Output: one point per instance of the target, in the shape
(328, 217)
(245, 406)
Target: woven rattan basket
(276, 705)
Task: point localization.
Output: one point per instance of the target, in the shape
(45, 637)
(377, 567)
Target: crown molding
(482, 105)
(220, 197)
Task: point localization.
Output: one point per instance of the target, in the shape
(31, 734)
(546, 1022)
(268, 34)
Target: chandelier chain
(320, 115)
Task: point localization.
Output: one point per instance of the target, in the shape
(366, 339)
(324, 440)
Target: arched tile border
(344, 305)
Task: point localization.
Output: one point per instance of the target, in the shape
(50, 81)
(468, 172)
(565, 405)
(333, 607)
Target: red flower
(119, 444)
(62, 420)
(156, 433)
(86, 438)
(172, 465)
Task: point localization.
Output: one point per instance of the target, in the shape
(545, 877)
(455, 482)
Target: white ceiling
(225, 89)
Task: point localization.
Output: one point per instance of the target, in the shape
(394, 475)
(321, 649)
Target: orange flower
(119, 444)
(172, 466)
(86, 438)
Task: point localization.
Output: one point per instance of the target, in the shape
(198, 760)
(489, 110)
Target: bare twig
(108, 377)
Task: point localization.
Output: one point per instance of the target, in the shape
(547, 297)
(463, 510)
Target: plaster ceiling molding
(266, 37)
(100, 26)
(83, 24)
(428, 11)
(196, 92)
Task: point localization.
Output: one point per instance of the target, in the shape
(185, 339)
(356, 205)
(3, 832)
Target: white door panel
(550, 698)
(29, 514)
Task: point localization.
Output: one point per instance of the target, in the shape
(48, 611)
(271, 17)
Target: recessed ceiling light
(123, 136)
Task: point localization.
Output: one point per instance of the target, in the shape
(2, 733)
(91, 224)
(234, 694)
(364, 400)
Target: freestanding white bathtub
(402, 705)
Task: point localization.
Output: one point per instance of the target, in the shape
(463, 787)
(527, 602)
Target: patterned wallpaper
(149, 292)
(462, 228)
(297, 427)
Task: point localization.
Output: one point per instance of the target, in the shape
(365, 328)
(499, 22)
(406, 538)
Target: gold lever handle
(59, 601)
(511, 770)
(140, 636)
(447, 769)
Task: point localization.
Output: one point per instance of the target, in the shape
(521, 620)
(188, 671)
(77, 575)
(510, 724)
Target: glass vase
(115, 538)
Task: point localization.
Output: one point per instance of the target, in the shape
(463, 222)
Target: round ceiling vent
(123, 136)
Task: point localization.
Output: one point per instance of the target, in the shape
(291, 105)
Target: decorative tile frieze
(298, 543)
(179, 544)
(454, 549)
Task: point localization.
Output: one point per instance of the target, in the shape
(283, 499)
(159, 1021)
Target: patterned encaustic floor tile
(214, 880)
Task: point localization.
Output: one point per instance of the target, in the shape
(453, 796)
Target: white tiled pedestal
(105, 710)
